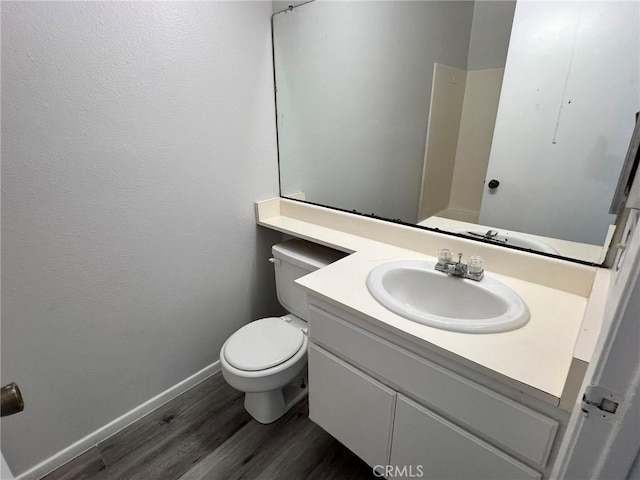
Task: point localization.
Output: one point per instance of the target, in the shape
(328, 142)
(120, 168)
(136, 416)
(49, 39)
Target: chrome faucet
(490, 235)
(458, 269)
(473, 271)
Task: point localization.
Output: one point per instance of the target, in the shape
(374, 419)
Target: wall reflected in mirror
(411, 110)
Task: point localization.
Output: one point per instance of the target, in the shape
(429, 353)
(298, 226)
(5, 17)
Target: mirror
(505, 122)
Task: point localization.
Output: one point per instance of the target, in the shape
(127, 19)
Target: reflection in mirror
(504, 121)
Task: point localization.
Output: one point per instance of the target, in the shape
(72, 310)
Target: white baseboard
(111, 428)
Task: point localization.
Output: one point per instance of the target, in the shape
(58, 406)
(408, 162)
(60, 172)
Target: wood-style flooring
(205, 433)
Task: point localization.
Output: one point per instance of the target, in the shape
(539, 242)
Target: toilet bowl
(270, 391)
(267, 358)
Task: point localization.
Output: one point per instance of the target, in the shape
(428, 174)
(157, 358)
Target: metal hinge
(600, 402)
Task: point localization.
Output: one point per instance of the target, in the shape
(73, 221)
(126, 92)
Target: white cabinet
(512, 426)
(355, 409)
(424, 441)
(415, 412)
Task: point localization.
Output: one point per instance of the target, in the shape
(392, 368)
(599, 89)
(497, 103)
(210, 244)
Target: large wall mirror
(500, 120)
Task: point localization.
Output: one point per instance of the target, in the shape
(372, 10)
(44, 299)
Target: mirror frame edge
(446, 232)
(627, 175)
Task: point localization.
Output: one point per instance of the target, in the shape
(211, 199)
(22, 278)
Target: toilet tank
(294, 259)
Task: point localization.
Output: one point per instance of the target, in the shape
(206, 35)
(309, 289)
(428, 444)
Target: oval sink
(417, 292)
(509, 238)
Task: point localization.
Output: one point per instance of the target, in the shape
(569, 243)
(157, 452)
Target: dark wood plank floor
(206, 434)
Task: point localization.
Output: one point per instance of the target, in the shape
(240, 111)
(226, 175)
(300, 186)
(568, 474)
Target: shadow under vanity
(455, 405)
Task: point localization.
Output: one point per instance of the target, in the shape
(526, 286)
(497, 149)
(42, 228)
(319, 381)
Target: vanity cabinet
(445, 451)
(354, 408)
(393, 407)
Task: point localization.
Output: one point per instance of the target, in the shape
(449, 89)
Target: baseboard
(111, 428)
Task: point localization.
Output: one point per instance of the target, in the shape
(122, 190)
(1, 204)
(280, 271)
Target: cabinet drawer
(444, 451)
(355, 409)
(513, 426)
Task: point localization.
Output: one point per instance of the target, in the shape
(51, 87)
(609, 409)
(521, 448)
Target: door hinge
(599, 401)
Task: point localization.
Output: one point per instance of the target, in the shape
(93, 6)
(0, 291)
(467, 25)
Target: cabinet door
(509, 424)
(354, 408)
(423, 440)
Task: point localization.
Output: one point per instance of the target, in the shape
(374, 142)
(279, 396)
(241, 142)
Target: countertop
(538, 355)
(546, 358)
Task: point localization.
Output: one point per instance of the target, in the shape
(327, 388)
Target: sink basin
(514, 239)
(417, 292)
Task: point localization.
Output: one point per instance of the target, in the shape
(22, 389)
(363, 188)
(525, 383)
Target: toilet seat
(263, 344)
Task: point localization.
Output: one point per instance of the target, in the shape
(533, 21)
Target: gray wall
(634, 473)
(490, 33)
(135, 139)
(354, 86)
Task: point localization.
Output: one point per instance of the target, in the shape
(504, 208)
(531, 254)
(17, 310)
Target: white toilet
(267, 358)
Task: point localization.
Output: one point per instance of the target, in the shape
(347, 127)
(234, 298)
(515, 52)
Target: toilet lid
(263, 344)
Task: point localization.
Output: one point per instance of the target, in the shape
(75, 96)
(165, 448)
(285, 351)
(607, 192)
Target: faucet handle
(444, 256)
(475, 264)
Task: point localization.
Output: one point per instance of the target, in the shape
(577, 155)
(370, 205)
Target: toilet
(267, 358)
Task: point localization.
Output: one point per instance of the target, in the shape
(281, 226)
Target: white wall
(489, 42)
(279, 5)
(448, 92)
(477, 122)
(354, 85)
(560, 139)
(5, 472)
(135, 138)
